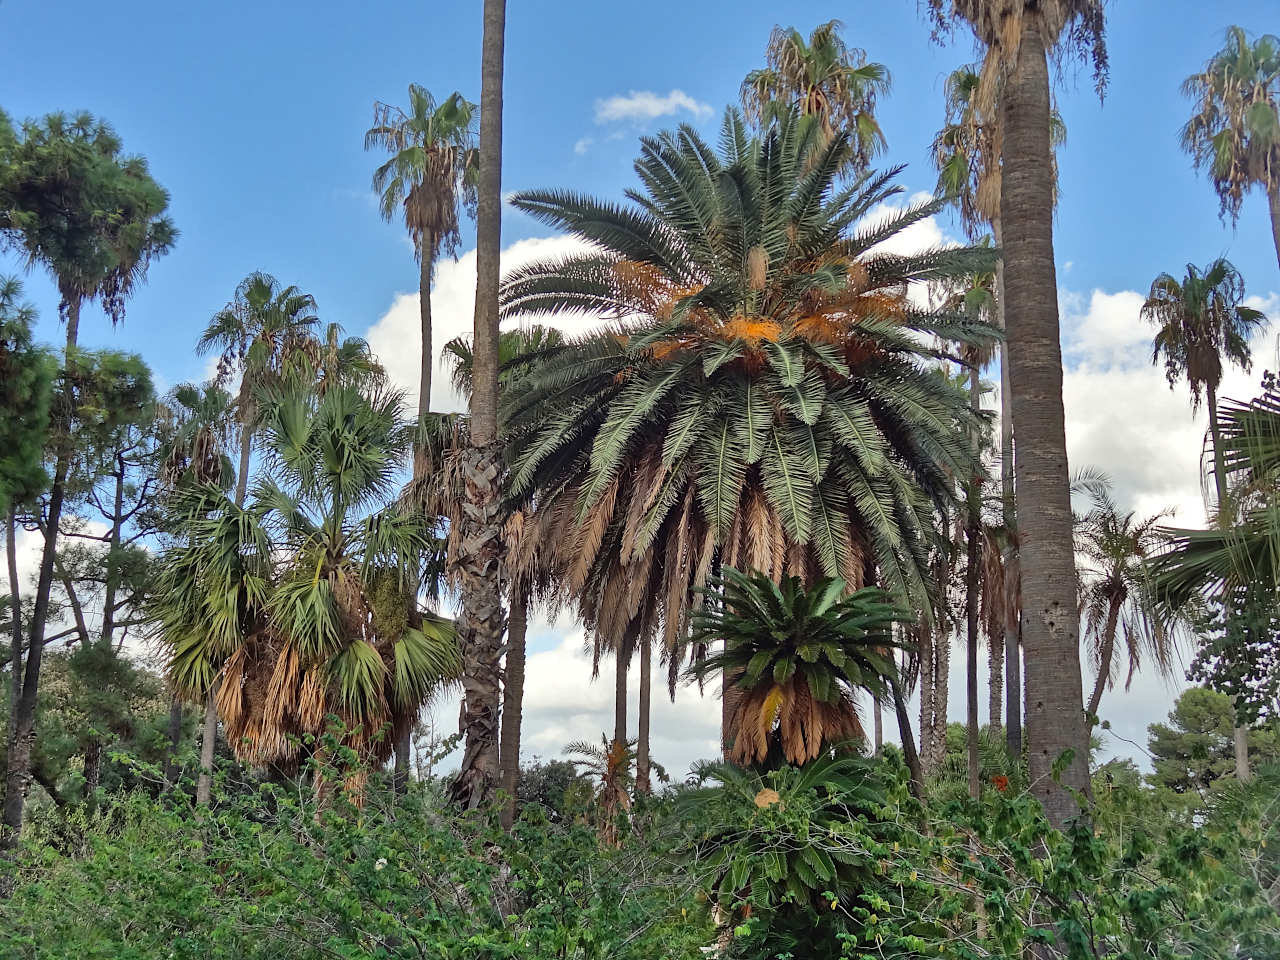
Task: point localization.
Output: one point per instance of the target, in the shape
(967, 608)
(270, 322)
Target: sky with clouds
(253, 116)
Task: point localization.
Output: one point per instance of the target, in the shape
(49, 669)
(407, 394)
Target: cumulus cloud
(639, 105)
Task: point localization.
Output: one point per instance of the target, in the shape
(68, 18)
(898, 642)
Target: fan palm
(799, 658)
(300, 603)
(1235, 132)
(1017, 36)
(1117, 599)
(431, 171)
(823, 78)
(1201, 321)
(610, 767)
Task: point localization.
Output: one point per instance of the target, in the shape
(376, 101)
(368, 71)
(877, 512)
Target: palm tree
(1017, 36)
(71, 201)
(800, 657)
(260, 335)
(518, 350)
(966, 152)
(822, 78)
(770, 408)
(610, 766)
(478, 563)
(298, 606)
(1117, 599)
(1201, 321)
(1235, 132)
(431, 171)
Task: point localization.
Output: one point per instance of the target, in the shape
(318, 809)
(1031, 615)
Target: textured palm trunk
(972, 530)
(730, 694)
(1273, 200)
(1012, 673)
(1240, 737)
(175, 740)
(1051, 623)
(909, 753)
(513, 701)
(924, 647)
(877, 724)
(621, 663)
(479, 553)
(936, 746)
(1105, 656)
(426, 268)
(643, 784)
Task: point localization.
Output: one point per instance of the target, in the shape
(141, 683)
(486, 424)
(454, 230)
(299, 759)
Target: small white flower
(382, 862)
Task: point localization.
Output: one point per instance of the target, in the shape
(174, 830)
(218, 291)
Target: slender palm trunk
(972, 531)
(1051, 626)
(1273, 200)
(93, 752)
(513, 701)
(1105, 656)
(621, 663)
(941, 697)
(909, 752)
(643, 784)
(1240, 738)
(924, 646)
(1012, 653)
(877, 724)
(427, 267)
(478, 560)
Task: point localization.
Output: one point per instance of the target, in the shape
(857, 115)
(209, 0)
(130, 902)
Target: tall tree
(823, 78)
(772, 406)
(1201, 322)
(1235, 132)
(1017, 36)
(1118, 603)
(72, 202)
(262, 335)
(430, 173)
(478, 563)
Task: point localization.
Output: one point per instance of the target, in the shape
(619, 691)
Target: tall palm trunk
(877, 724)
(972, 530)
(909, 752)
(643, 784)
(924, 646)
(93, 752)
(175, 740)
(1273, 200)
(620, 695)
(1051, 625)
(513, 701)
(479, 553)
(1240, 738)
(1105, 656)
(1012, 633)
(27, 694)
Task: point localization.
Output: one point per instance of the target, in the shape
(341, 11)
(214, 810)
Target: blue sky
(252, 115)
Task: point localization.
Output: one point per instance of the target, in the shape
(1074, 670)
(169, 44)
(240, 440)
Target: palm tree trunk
(1104, 662)
(1051, 627)
(1240, 737)
(643, 784)
(1012, 651)
(926, 654)
(909, 752)
(621, 663)
(513, 701)
(974, 520)
(1273, 200)
(877, 724)
(941, 696)
(427, 264)
(479, 553)
(730, 694)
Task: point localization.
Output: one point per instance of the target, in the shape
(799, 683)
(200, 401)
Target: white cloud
(396, 338)
(583, 145)
(639, 105)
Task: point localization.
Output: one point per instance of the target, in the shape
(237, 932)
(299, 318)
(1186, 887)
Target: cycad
(798, 658)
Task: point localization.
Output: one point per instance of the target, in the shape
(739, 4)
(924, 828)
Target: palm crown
(764, 402)
(798, 656)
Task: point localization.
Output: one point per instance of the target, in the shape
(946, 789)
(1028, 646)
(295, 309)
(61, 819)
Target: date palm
(299, 605)
(1234, 133)
(430, 173)
(1117, 600)
(823, 78)
(800, 657)
(1016, 37)
(610, 767)
(769, 406)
